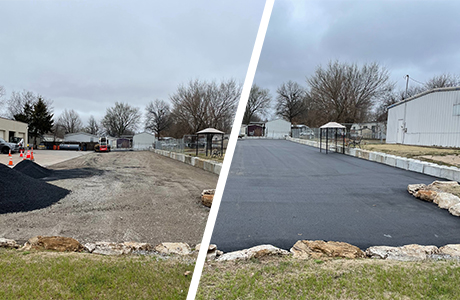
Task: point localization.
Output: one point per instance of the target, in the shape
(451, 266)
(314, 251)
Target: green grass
(288, 278)
(51, 275)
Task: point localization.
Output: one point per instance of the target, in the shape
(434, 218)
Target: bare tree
(290, 101)
(158, 117)
(70, 121)
(121, 119)
(345, 92)
(15, 105)
(200, 104)
(2, 101)
(93, 126)
(443, 80)
(258, 103)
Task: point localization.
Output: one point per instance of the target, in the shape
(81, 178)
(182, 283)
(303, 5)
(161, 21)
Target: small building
(431, 118)
(13, 131)
(255, 129)
(143, 141)
(81, 137)
(277, 129)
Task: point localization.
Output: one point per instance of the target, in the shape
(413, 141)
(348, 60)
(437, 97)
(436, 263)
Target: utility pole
(407, 84)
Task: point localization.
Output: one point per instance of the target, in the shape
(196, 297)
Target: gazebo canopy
(210, 131)
(332, 125)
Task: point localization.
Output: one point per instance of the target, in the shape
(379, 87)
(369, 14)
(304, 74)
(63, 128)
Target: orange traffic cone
(20, 153)
(10, 163)
(28, 154)
(32, 154)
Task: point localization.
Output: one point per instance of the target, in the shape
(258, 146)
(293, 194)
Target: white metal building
(431, 118)
(80, 137)
(277, 129)
(143, 141)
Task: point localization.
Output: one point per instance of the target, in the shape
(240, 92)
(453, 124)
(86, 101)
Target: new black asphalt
(278, 192)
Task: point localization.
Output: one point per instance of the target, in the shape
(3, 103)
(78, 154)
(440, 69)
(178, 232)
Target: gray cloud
(407, 37)
(85, 55)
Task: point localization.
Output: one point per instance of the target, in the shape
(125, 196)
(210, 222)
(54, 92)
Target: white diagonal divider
(230, 148)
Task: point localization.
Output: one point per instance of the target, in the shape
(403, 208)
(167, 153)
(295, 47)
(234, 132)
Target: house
(431, 118)
(255, 129)
(13, 131)
(277, 129)
(143, 141)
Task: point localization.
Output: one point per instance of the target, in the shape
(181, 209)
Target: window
(457, 109)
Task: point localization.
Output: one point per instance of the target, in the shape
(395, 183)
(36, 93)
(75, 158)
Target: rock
(208, 192)
(173, 248)
(57, 243)
(426, 195)
(446, 200)
(413, 188)
(135, 246)
(206, 200)
(7, 243)
(108, 248)
(254, 252)
(452, 249)
(455, 210)
(212, 251)
(405, 253)
(315, 249)
(440, 185)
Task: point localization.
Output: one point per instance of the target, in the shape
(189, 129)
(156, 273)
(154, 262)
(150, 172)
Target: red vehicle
(103, 145)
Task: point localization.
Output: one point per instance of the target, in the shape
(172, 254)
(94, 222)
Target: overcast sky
(419, 38)
(85, 55)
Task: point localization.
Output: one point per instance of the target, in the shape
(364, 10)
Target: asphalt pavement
(278, 192)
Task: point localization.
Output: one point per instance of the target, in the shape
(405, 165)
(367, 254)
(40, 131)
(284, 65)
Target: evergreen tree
(41, 121)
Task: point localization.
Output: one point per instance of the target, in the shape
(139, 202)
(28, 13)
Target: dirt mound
(32, 169)
(36, 171)
(20, 192)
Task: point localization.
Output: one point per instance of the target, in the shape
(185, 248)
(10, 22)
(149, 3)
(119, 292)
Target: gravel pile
(36, 171)
(21, 193)
(32, 169)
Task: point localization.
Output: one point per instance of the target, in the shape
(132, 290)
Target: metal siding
(430, 120)
(394, 114)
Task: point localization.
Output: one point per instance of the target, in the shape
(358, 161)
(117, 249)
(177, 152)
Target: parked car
(5, 147)
(308, 133)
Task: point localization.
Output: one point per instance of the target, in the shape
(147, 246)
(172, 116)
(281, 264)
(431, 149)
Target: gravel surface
(134, 196)
(21, 193)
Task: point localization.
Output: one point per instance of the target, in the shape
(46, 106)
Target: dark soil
(36, 171)
(21, 193)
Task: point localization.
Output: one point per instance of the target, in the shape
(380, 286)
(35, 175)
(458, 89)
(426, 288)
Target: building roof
(80, 133)
(332, 125)
(145, 132)
(446, 89)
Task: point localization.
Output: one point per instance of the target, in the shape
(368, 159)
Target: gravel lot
(138, 196)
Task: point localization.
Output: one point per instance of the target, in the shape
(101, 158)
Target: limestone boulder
(446, 200)
(452, 249)
(56, 243)
(306, 249)
(109, 248)
(426, 195)
(254, 252)
(7, 243)
(173, 248)
(441, 185)
(212, 253)
(414, 188)
(455, 210)
(411, 252)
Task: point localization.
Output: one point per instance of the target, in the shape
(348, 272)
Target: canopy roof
(210, 131)
(332, 125)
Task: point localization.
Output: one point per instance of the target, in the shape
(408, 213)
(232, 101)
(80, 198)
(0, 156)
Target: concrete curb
(451, 173)
(207, 165)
